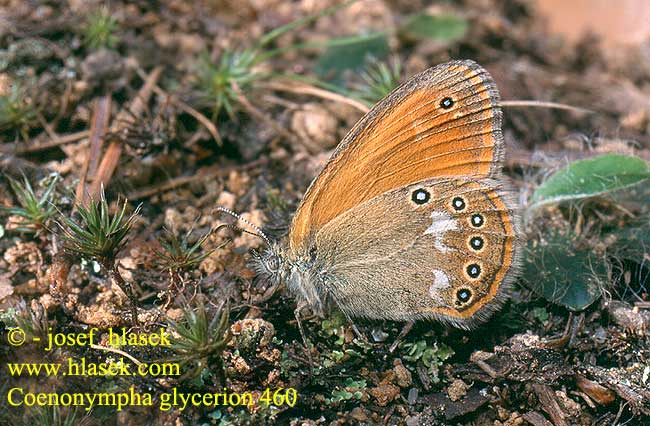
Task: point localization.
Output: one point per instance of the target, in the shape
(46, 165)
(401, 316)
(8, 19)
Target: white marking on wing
(440, 282)
(441, 222)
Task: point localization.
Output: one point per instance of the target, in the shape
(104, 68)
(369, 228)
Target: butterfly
(411, 218)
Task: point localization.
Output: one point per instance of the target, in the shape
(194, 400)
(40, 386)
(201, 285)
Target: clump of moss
(98, 235)
(100, 29)
(17, 110)
(32, 321)
(378, 79)
(54, 416)
(223, 83)
(179, 255)
(34, 212)
(199, 338)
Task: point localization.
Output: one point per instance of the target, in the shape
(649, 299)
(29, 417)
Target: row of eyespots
(421, 196)
(476, 243)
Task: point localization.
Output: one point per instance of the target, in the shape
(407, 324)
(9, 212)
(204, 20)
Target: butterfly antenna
(258, 231)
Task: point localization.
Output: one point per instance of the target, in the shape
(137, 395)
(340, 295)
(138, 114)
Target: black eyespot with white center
(420, 196)
(458, 204)
(463, 296)
(473, 270)
(477, 220)
(476, 243)
(446, 103)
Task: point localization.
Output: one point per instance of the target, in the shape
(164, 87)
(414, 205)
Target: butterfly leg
(356, 331)
(297, 314)
(402, 334)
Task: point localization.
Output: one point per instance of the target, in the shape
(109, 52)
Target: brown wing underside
(408, 137)
(415, 261)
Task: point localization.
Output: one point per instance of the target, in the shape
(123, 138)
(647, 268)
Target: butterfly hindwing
(440, 248)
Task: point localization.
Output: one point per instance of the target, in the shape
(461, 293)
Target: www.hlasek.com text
(82, 367)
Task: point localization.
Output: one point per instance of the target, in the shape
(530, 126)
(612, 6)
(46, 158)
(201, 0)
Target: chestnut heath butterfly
(411, 217)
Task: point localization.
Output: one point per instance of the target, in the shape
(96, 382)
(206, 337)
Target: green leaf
(447, 27)
(351, 53)
(563, 273)
(341, 395)
(594, 176)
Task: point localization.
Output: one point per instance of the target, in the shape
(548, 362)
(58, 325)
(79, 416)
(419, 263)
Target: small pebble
(412, 396)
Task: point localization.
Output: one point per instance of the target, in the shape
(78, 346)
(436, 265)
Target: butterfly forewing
(443, 122)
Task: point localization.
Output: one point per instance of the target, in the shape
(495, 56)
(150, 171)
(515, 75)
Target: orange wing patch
(445, 122)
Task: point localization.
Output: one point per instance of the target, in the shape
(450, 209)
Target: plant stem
(175, 287)
(126, 287)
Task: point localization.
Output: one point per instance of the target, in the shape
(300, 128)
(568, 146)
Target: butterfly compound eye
(272, 264)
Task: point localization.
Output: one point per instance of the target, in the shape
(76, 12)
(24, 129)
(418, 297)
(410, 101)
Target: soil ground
(131, 110)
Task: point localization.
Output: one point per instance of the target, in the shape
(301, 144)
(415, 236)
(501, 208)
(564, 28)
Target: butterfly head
(271, 264)
(303, 275)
